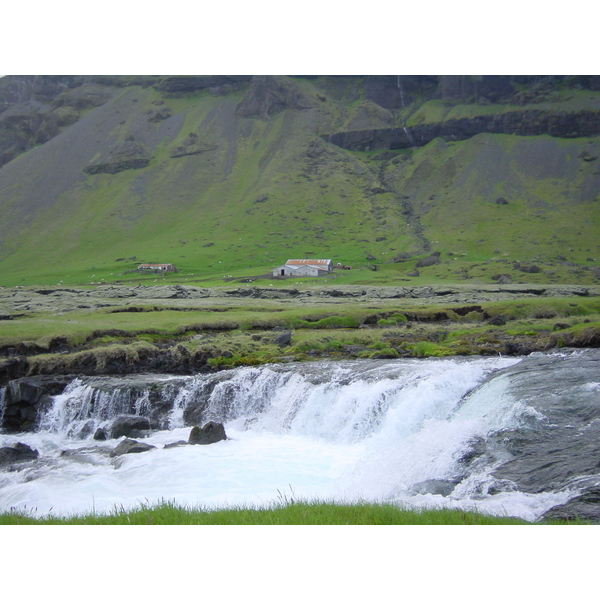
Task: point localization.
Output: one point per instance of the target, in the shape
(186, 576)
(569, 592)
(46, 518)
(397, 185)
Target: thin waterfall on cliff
(402, 94)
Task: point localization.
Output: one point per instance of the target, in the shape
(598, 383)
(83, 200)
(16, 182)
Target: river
(505, 436)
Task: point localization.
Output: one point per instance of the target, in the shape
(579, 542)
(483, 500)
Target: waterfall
(82, 408)
(402, 94)
(409, 135)
(485, 433)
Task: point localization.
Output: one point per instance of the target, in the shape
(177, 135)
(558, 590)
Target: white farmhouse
(304, 267)
(157, 267)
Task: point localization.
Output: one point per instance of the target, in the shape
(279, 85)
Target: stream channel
(504, 436)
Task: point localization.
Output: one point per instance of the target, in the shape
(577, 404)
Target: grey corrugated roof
(308, 261)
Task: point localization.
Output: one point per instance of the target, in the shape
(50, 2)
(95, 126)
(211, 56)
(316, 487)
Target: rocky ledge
(523, 122)
(124, 155)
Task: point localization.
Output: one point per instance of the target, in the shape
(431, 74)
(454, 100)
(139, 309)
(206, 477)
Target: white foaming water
(334, 431)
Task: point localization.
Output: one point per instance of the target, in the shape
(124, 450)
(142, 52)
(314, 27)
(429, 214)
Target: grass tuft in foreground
(287, 513)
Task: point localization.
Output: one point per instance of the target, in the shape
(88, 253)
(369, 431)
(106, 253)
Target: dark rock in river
(585, 507)
(93, 455)
(208, 434)
(562, 446)
(26, 398)
(128, 425)
(440, 487)
(476, 449)
(101, 435)
(128, 446)
(194, 412)
(18, 452)
(12, 368)
(176, 444)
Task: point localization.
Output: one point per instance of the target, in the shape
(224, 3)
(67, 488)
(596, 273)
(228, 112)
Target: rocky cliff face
(127, 154)
(36, 88)
(34, 109)
(525, 123)
(267, 96)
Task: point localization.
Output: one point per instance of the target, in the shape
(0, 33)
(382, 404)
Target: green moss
(425, 349)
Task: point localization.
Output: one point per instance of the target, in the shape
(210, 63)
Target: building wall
(302, 271)
(165, 267)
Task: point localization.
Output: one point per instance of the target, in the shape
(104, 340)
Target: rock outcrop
(178, 85)
(283, 339)
(563, 124)
(208, 434)
(192, 145)
(124, 155)
(128, 446)
(428, 261)
(585, 507)
(268, 95)
(26, 398)
(130, 425)
(17, 453)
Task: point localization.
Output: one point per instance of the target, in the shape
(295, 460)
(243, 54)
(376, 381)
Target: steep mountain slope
(233, 175)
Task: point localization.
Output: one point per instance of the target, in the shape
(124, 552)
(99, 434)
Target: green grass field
(228, 333)
(289, 513)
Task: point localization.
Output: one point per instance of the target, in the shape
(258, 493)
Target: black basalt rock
(585, 507)
(282, 339)
(129, 425)
(582, 123)
(124, 155)
(26, 398)
(498, 320)
(16, 453)
(208, 434)
(128, 446)
(428, 261)
(267, 95)
(101, 435)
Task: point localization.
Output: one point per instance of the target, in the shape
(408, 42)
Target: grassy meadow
(232, 332)
(288, 513)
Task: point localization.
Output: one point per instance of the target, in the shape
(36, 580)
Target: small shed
(304, 267)
(157, 267)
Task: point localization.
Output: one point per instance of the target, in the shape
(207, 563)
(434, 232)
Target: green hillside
(231, 179)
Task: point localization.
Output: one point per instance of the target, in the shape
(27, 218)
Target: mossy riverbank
(188, 330)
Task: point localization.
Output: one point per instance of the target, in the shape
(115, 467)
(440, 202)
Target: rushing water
(422, 433)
